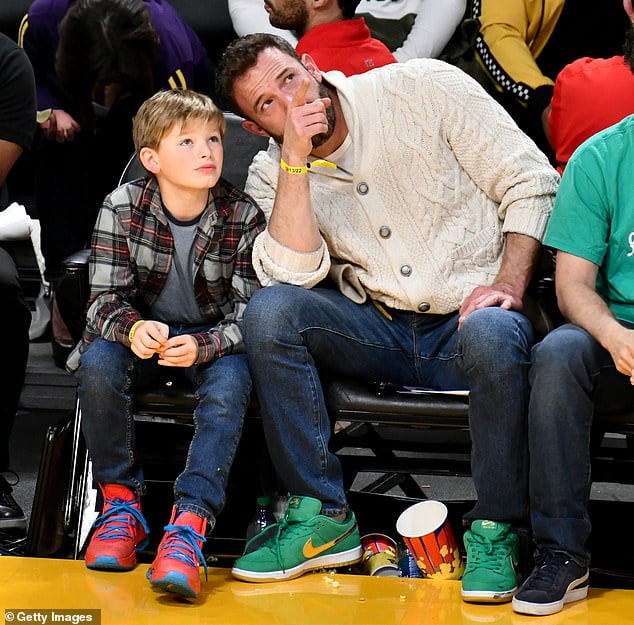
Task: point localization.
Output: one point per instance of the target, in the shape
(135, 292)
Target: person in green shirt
(585, 363)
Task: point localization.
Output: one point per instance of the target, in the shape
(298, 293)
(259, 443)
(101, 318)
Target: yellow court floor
(39, 590)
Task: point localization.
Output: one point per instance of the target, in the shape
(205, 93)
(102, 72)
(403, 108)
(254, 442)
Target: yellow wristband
(303, 169)
(43, 116)
(322, 163)
(294, 170)
(135, 325)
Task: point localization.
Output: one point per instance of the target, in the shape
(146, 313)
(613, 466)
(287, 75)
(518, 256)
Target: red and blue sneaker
(120, 531)
(176, 567)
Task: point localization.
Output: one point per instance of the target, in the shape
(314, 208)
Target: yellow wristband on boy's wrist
(135, 325)
(293, 169)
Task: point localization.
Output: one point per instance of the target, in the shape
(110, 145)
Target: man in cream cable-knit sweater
(428, 214)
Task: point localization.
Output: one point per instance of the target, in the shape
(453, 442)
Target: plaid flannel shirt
(132, 251)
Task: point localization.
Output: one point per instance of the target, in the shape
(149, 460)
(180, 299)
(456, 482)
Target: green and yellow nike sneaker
(492, 557)
(303, 540)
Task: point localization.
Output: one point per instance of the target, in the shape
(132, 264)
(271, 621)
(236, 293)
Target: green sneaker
(303, 540)
(492, 555)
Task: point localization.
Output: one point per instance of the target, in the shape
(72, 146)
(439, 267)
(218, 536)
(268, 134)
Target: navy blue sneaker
(556, 580)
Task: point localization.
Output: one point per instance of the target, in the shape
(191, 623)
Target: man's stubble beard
(331, 118)
(295, 20)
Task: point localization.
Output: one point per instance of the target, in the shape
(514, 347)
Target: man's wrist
(293, 169)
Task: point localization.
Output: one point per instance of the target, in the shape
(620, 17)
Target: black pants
(15, 318)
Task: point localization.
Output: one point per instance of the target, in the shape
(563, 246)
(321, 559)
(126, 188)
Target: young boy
(170, 275)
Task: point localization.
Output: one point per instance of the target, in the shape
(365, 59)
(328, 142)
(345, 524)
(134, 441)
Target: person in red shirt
(591, 94)
(329, 33)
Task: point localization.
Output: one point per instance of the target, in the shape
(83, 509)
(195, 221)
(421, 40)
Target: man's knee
(496, 331)
(564, 346)
(567, 337)
(273, 311)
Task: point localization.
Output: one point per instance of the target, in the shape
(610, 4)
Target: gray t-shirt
(177, 303)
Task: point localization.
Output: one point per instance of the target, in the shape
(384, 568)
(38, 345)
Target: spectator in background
(330, 34)
(409, 28)
(413, 29)
(95, 61)
(524, 44)
(17, 129)
(251, 16)
(590, 95)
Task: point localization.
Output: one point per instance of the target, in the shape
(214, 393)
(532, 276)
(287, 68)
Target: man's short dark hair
(239, 57)
(348, 8)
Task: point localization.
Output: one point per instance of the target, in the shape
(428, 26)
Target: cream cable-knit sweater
(445, 172)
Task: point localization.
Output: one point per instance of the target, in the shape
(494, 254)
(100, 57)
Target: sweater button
(385, 232)
(423, 307)
(406, 270)
(362, 188)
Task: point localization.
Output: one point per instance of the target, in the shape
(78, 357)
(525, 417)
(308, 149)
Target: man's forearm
(518, 263)
(583, 306)
(293, 222)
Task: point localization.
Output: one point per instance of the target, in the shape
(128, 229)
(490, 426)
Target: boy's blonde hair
(161, 112)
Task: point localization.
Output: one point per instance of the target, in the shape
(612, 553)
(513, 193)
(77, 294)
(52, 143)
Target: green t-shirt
(593, 216)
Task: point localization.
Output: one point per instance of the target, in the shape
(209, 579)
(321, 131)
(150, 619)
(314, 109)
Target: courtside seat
(418, 433)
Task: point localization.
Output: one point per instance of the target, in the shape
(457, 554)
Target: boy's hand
(179, 351)
(149, 337)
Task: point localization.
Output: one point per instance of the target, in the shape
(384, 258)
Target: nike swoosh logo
(309, 551)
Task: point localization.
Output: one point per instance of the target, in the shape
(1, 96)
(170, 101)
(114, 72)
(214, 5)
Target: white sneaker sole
(342, 558)
(488, 596)
(544, 609)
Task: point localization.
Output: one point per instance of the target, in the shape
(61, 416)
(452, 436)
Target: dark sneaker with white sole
(556, 580)
(11, 515)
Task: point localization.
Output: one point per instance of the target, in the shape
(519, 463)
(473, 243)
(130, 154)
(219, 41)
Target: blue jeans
(571, 375)
(108, 375)
(294, 334)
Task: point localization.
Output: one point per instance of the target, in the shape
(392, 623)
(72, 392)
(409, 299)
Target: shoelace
(282, 527)
(484, 552)
(283, 531)
(118, 521)
(181, 544)
(545, 573)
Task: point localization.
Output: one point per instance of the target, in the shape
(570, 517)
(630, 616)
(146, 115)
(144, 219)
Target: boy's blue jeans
(293, 333)
(108, 374)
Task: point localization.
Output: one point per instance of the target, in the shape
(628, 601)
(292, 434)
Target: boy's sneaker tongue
(301, 509)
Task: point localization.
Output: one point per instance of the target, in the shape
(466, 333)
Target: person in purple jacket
(95, 62)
